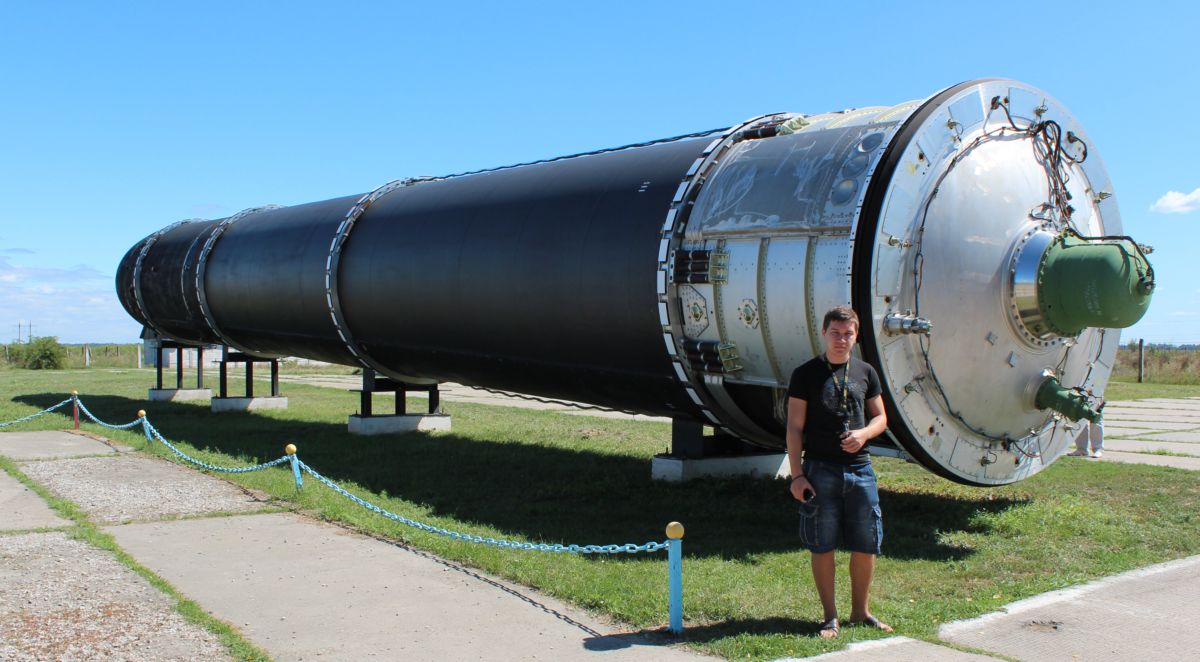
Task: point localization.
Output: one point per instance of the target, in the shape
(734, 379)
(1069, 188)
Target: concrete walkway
(297, 588)
(1158, 431)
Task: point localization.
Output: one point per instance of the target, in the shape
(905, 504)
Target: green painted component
(793, 125)
(1070, 403)
(1085, 284)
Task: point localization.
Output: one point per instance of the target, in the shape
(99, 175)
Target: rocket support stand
(249, 402)
(179, 393)
(368, 423)
(697, 455)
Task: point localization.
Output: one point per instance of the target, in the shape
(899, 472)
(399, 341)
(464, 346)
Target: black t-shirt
(827, 412)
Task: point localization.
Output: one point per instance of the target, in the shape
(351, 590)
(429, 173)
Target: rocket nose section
(125, 284)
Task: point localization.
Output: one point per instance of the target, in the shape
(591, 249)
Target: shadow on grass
(548, 494)
(701, 634)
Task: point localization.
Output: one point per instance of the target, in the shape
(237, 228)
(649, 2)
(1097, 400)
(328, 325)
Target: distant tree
(42, 353)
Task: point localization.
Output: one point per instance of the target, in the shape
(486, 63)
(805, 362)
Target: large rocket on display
(975, 233)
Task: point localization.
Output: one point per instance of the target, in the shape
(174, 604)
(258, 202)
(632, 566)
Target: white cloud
(76, 304)
(13, 273)
(1174, 202)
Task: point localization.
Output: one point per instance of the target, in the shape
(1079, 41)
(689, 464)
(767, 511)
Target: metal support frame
(178, 347)
(373, 384)
(228, 357)
(688, 441)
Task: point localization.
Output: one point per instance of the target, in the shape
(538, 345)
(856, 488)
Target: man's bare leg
(823, 569)
(862, 569)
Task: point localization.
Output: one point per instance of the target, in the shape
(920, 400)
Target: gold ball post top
(290, 449)
(141, 413)
(674, 530)
(74, 392)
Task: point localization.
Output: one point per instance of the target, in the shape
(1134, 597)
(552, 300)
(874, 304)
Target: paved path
(63, 599)
(1159, 431)
(297, 588)
(1147, 614)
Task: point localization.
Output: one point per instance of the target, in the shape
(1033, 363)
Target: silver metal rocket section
(918, 214)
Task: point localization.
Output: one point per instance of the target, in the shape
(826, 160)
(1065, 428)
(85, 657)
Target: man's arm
(854, 440)
(797, 412)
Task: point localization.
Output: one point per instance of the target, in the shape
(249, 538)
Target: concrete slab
(1191, 463)
(393, 423)
(1114, 432)
(1112, 421)
(1134, 446)
(1152, 417)
(1184, 437)
(20, 446)
(62, 599)
(249, 404)
(678, 470)
(178, 394)
(1157, 403)
(301, 589)
(895, 649)
(1147, 614)
(22, 508)
(134, 487)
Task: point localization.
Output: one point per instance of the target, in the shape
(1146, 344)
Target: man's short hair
(841, 314)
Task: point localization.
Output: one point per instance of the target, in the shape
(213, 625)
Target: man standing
(1091, 433)
(835, 407)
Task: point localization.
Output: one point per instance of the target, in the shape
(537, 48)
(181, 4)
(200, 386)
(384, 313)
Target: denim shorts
(845, 511)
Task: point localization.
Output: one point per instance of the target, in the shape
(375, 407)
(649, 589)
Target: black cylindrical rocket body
(538, 279)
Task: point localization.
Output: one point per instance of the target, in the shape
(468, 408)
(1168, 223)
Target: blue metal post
(291, 453)
(675, 576)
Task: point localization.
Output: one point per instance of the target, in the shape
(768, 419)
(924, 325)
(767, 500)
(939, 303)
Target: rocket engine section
(975, 233)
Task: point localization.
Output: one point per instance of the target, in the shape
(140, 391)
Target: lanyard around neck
(844, 386)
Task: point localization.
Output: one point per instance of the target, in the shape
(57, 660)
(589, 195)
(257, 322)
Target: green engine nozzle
(1085, 284)
(1072, 404)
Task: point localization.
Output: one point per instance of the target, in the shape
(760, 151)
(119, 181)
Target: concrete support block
(678, 470)
(249, 404)
(179, 394)
(369, 425)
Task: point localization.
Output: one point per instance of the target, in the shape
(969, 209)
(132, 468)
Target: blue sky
(117, 119)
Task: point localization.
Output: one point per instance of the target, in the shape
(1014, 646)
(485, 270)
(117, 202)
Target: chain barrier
(37, 414)
(152, 433)
(111, 426)
(510, 544)
(674, 531)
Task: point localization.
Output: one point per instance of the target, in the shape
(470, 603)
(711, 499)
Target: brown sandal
(873, 622)
(829, 629)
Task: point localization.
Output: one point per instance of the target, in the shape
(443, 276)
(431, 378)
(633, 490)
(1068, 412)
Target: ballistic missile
(975, 233)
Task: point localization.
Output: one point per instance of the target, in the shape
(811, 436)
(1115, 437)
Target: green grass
(1164, 452)
(85, 530)
(1134, 391)
(1162, 365)
(950, 551)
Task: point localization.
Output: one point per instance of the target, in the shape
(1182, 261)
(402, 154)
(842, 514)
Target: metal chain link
(510, 544)
(111, 426)
(150, 430)
(40, 413)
